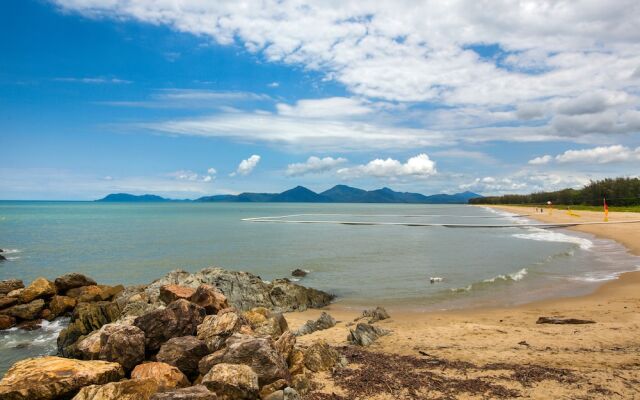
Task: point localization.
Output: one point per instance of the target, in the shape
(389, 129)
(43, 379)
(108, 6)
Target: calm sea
(363, 265)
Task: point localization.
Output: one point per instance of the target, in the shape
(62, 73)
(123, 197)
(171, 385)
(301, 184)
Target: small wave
(601, 276)
(514, 277)
(46, 336)
(11, 251)
(549, 236)
(294, 279)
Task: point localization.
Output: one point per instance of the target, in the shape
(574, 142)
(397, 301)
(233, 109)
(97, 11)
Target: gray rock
(197, 392)
(374, 315)
(365, 334)
(184, 353)
(123, 344)
(325, 321)
(245, 291)
(71, 281)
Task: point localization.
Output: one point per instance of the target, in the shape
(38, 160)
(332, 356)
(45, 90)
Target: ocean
(363, 266)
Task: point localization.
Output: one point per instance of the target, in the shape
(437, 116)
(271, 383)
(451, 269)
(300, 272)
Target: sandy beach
(502, 352)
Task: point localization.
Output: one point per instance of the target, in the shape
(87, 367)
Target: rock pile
(211, 335)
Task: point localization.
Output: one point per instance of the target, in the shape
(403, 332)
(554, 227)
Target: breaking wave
(43, 338)
(550, 236)
(514, 277)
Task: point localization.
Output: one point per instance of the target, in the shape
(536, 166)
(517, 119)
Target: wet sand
(472, 351)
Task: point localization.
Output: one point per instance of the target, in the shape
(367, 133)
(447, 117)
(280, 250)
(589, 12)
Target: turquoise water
(362, 265)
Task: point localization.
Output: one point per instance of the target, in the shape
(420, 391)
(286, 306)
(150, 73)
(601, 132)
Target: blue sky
(185, 99)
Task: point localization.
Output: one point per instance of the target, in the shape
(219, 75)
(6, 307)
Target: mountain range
(300, 194)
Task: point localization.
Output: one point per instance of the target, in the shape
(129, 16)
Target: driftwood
(561, 321)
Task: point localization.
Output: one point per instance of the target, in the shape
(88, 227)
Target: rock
(30, 325)
(245, 291)
(325, 321)
(6, 301)
(320, 357)
(123, 344)
(46, 314)
(210, 298)
(265, 323)
(109, 292)
(302, 384)
(296, 362)
(277, 395)
(299, 273)
(94, 293)
(9, 285)
(59, 305)
(269, 389)
(232, 382)
(291, 394)
(44, 378)
(6, 322)
(285, 344)
(365, 334)
(184, 352)
(258, 353)
(169, 293)
(15, 293)
(137, 309)
(197, 392)
(40, 287)
(374, 315)
(180, 318)
(166, 376)
(86, 318)
(216, 328)
(25, 311)
(71, 281)
(562, 321)
(131, 389)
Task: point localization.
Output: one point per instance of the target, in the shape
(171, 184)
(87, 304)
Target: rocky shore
(214, 334)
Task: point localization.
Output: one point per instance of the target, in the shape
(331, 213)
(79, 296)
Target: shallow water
(363, 265)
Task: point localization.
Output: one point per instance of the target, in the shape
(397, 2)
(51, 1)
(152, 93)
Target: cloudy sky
(189, 98)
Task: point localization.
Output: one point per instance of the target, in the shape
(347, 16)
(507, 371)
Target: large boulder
(6, 321)
(184, 352)
(61, 304)
(232, 382)
(27, 311)
(197, 392)
(94, 292)
(123, 344)
(325, 321)
(131, 389)
(320, 357)
(266, 323)
(166, 376)
(245, 291)
(9, 285)
(180, 318)
(6, 301)
(374, 315)
(365, 334)
(48, 378)
(285, 344)
(72, 280)
(40, 287)
(257, 352)
(170, 293)
(210, 298)
(216, 328)
(86, 318)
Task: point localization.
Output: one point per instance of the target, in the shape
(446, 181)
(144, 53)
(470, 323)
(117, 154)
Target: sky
(192, 98)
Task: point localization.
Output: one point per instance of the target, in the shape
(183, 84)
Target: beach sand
(502, 352)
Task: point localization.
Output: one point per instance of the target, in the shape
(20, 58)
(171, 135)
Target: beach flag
(606, 210)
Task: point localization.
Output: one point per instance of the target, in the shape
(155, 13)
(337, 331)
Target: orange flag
(606, 210)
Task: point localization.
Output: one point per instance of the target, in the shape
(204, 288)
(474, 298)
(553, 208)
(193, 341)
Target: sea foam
(550, 236)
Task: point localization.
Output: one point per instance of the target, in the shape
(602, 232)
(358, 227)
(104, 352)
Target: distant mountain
(300, 194)
(132, 198)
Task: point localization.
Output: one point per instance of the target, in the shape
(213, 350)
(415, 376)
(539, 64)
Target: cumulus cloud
(525, 181)
(541, 160)
(212, 171)
(190, 176)
(327, 107)
(247, 166)
(314, 165)
(418, 166)
(600, 155)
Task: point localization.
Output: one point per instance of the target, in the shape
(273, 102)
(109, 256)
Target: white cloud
(187, 175)
(327, 107)
(273, 84)
(541, 160)
(93, 80)
(314, 165)
(418, 166)
(246, 166)
(601, 155)
(212, 171)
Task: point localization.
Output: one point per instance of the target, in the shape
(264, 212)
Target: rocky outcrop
(86, 318)
(258, 353)
(40, 287)
(59, 305)
(6, 321)
(210, 298)
(94, 293)
(9, 285)
(166, 376)
(123, 344)
(46, 378)
(299, 273)
(285, 344)
(266, 323)
(27, 311)
(71, 281)
(197, 392)
(169, 293)
(325, 321)
(6, 301)
(320, 357)
(232, 382)
(184, 352)
(215, 329)
(365, 334)
(245, 291)
(180, 318)
(132, 389)
(374, 315)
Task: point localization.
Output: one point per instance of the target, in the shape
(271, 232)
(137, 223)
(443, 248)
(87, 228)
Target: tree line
(617, 191)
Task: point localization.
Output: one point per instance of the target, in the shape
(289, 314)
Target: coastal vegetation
(621, 194)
